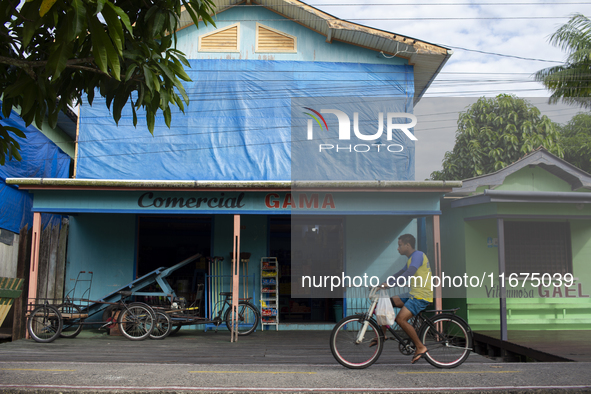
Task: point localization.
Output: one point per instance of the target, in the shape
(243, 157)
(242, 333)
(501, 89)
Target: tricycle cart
(136, 320)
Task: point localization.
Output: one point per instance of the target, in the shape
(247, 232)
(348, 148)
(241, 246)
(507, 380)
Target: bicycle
(136, 320)
(447, 337)
(248, 315)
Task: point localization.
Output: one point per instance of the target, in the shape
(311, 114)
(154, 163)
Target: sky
(497, 44)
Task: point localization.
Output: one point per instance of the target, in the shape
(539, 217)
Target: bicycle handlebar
(373, 293)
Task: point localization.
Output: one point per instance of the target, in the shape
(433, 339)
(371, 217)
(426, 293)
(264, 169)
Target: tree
(53, 52)
(571, 82)
(575, 139)
(495, 132)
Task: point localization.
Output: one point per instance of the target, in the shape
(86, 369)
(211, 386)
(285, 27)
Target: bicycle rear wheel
(162, 326)
(248, 318)
(72, 323)
(344, 346)
(136, 321)
(44, 324)
(450, 344)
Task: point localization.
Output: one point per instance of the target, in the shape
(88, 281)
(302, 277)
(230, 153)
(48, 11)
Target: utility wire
(427, 18)
(504, 55)
(537, 4)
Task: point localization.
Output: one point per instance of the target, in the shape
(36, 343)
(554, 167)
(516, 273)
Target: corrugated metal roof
(427, 58)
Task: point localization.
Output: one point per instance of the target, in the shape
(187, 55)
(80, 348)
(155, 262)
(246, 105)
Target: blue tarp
(41, 158)
(238, 125)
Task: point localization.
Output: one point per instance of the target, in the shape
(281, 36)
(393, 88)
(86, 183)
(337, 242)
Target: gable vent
(226, 39)
(272, 40)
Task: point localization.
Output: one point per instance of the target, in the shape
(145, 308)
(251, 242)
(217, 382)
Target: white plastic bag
(384, 311)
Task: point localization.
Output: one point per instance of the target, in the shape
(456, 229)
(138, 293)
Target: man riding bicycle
(420, 295)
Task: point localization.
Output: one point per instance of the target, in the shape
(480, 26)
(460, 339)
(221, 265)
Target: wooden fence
(52, 261)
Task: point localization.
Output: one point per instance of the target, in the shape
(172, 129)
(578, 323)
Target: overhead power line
(504, 55)
(426, 18)
(537, 4)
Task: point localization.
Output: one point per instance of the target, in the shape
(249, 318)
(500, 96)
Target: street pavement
(281, 362)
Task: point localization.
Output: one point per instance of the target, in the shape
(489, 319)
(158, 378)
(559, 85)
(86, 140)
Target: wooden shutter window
(272, 40)
(226, 39)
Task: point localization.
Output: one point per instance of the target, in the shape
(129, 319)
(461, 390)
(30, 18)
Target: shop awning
(70, 196)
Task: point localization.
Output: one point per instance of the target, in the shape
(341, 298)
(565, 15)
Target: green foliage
(495, 132)
(575, 139)
(52, 52)
(571, 82)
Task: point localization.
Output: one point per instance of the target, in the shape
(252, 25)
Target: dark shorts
(414, 305)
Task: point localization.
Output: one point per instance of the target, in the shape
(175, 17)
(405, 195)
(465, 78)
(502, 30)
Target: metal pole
(437, 262)
(503, 295)
(235, 279)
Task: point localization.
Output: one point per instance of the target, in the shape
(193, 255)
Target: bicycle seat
(125, 293)
(226, 293)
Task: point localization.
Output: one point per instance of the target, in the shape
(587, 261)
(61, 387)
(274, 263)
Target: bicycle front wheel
(448, 340)
(248, 318)
(136, 321)
(44, 324)
(351, 352)
(162, 326)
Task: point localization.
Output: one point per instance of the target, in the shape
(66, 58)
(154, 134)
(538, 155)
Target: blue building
(258, 143)
(46, 153)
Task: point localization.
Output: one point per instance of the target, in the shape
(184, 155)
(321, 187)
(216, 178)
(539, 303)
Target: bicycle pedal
(111, 322)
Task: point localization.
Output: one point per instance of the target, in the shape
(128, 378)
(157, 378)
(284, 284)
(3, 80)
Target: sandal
(417, 357)
(374, 341)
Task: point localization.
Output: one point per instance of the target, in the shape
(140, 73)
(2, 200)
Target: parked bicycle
(447, 337)
(248, 315)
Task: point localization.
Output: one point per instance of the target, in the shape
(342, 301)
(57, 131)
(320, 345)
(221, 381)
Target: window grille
(538, 247)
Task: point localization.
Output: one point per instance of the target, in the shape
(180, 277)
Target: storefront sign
(259, 202)
(299, 201)
(148, 200)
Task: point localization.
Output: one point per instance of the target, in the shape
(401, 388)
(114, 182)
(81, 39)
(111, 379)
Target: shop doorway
(166, 241)
(281, 237)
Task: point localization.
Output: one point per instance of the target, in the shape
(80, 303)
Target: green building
(530, 220)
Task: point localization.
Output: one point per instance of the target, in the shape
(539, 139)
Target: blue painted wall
(371, 246)
(311, 46)
(104, 244)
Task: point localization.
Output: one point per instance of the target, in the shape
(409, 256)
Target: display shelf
(269, 292)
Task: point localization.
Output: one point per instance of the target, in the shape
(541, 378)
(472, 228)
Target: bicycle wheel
(162, 326)
(449, 345)
(71, 321)
(44, 323)
(136, 321)
(345, 348)
(175, 328)
(248, 318)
